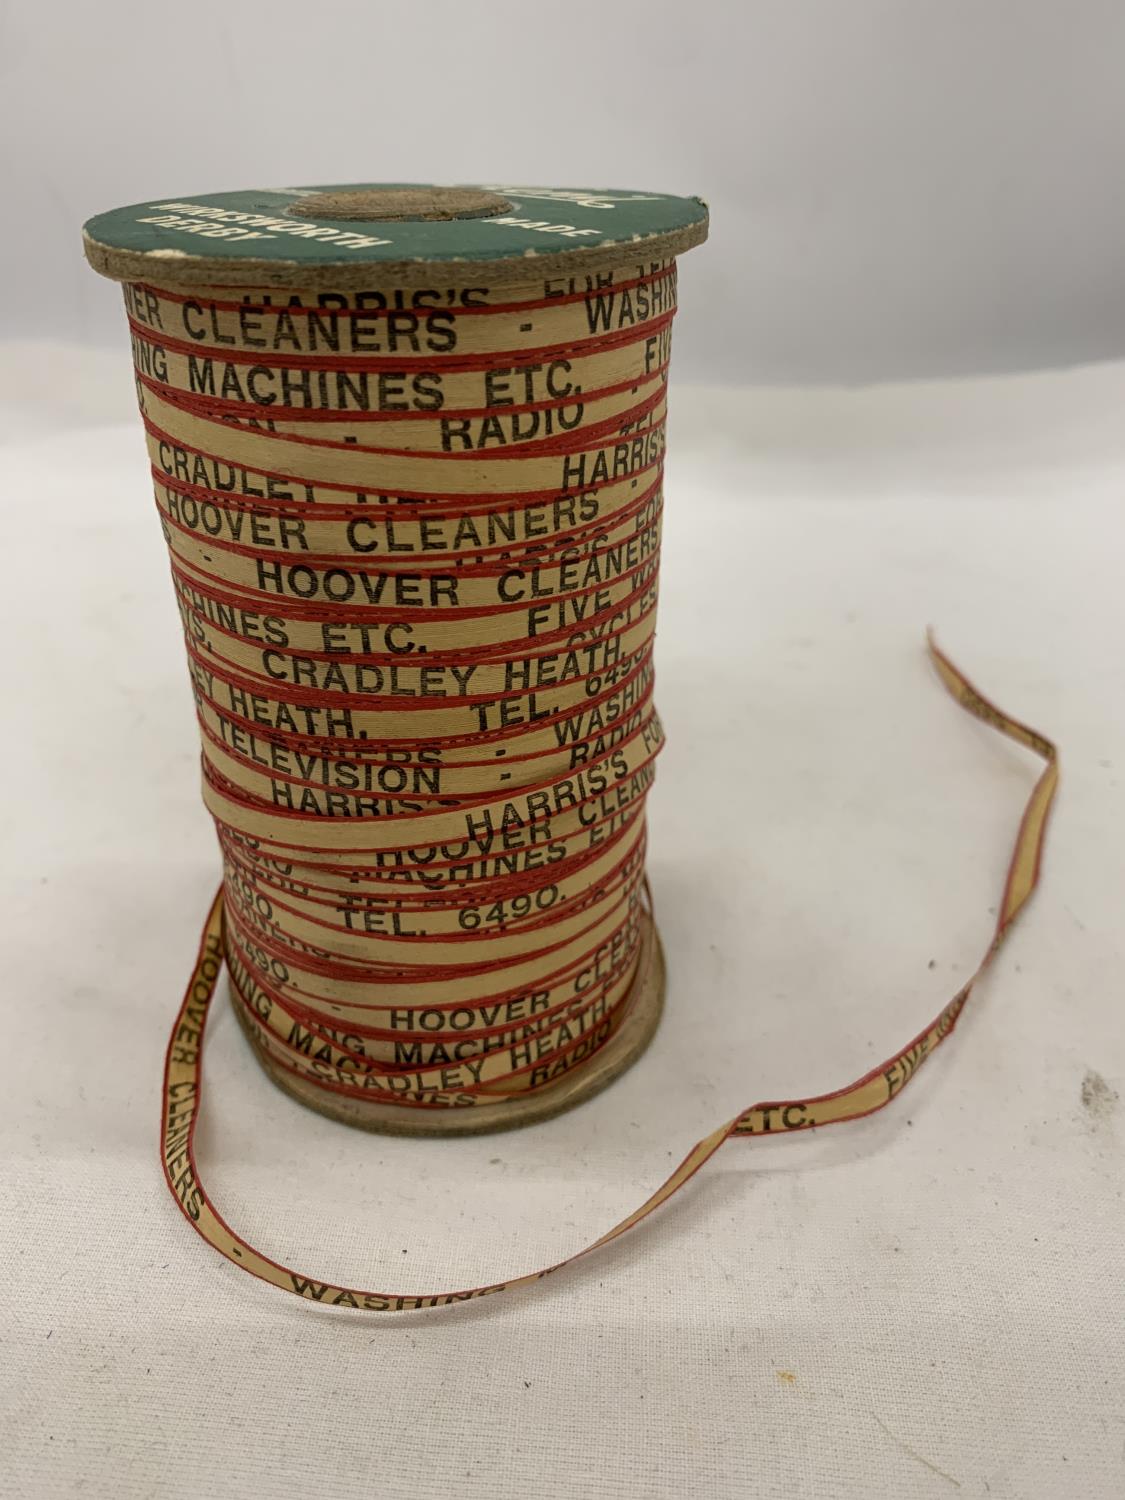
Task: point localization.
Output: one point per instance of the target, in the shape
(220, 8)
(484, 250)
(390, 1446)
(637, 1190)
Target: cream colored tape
(415, 541)
(876, 1089)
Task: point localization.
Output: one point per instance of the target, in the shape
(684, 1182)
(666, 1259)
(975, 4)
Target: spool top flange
(350, 235)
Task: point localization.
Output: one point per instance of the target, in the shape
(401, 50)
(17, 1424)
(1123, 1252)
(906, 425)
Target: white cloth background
(924, 1304)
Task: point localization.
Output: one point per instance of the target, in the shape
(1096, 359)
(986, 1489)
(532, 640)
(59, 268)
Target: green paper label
(259, 226)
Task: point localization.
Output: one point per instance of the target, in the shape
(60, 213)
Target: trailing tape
(874, 1091)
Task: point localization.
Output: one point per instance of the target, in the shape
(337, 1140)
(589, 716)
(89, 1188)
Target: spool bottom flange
(646, 1004)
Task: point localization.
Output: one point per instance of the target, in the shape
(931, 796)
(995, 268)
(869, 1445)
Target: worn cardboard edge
(184, 270)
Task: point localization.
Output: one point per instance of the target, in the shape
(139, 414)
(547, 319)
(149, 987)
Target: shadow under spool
(509, 235)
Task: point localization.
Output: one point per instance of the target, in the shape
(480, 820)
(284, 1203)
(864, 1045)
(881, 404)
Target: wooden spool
(386, 235)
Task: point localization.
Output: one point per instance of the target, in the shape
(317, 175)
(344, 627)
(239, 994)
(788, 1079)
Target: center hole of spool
(385, 205)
